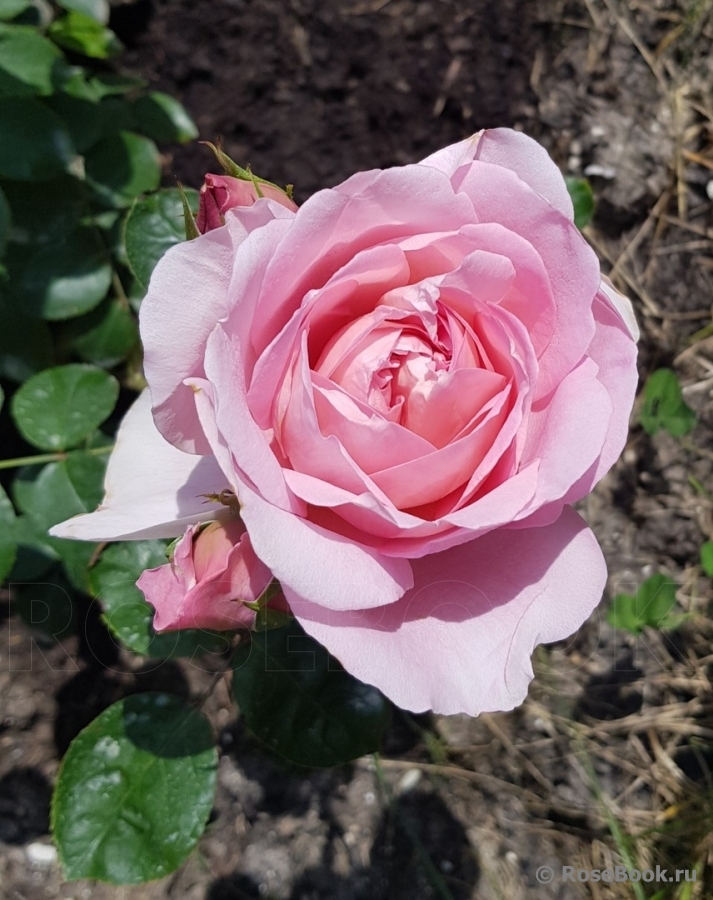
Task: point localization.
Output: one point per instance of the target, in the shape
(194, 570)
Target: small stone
(41, 854)
(597, 171)
(408, 781)
(709, 189)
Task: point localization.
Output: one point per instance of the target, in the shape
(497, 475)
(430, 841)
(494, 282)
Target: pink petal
(461, 639)
(499, 196)
(511, 150)
(622, 305)
(614, 351)
(332, 571)
(228, 423)
(188, 294)
(333, 226)
(152, 490)
(567, 436)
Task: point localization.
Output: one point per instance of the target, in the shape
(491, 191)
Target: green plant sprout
(664, 406)
(651, 606)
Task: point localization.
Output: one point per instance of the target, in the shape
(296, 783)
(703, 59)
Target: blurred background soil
(615, 736)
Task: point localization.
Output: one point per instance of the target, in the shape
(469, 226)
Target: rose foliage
(402, 387)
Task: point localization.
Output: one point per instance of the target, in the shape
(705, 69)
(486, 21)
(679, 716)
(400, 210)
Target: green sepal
(230, 167)
(189, 220)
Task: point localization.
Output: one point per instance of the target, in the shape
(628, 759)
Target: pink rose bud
(213, 573)
(222, 192)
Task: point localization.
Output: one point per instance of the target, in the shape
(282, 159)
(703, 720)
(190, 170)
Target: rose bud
(213, 573)
(222, 192)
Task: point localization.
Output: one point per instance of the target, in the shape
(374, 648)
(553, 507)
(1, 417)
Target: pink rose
(406, 382)
(213, 572)
(222, 192)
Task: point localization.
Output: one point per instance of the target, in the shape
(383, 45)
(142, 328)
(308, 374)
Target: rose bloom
(407, 382)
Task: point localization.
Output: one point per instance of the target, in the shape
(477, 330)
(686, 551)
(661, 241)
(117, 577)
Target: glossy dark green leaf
(47, 607)
(121, 167)
(116, 114)
(299, 701)
(582, 199)
(25, 344)
(129, 616)
(58, 408)
(52, 494)
(36, 558)
(9, 9)
(8, 543)
(82, 118)
(29, 63)
(105, 336)
(66, 278)
(35, 144)
(46, 211)
(134, 791)
(97, 9)
(82, 34)
(707, 558)
(4, 221)
(652, 605)
(664, 406)
(162, 118)
(154, 224)
(108, 84)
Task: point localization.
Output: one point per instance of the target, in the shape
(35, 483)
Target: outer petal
(152, 490)
(329, 569)
(622, 305)
(333, 226)
(188, 294)
(614, 351)
(511, 150)
(461, 639)
(499, 196)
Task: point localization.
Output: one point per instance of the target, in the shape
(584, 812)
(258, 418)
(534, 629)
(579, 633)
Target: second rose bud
(223, 192)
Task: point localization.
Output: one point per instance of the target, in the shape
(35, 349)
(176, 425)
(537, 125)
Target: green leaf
(108, 84)
(162, 118)
(299, 701)
(97, 9)
(9, 9)
(35, 555)
(80, 33)
(8, 544)
(123, 166)
(67, 278)
(582, 199)
(35, 144)
(707, 558)
(664, 406)
(44, 212)
(58, 408)
(116, 115)
(56, 492)
(82, 118)
(25, 344)
(4, 221)
(129, 616)
(153, 225)
(105, 336)
(652, 605)
(29, 64)
(47, 607)
(134, 791)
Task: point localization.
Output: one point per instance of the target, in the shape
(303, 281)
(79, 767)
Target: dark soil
(308, 93)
